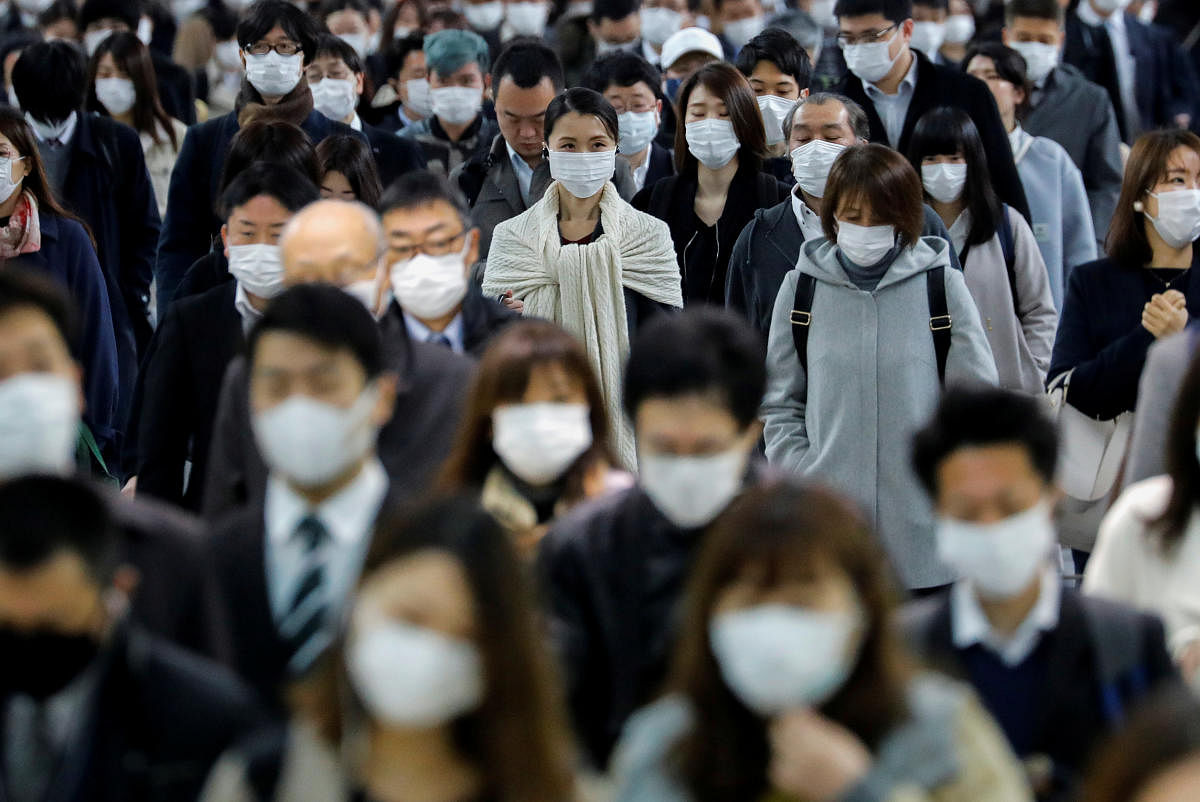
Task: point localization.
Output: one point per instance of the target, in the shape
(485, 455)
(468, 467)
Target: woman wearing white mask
(719, 150)
(439, 689)
(349, 172)
(873, 312)
(789, 682)
(535, 435)
(1001, 262)
(581, 256)
(123, 87)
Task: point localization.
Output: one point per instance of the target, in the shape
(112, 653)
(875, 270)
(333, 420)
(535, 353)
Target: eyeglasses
(435, 247)
(866, 38)
(282, 48)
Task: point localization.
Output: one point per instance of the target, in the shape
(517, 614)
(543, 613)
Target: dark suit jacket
(393, 156)
(662, 164)
(942, 86)
(483, 318)
(176, 89)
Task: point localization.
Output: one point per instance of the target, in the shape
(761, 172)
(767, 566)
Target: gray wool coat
(874, 383)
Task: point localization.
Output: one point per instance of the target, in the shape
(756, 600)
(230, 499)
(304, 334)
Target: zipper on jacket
(685, 261)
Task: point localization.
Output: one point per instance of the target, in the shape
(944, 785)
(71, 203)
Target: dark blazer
(179, 388)
(191, 220)
(210, 270)
(662, 164)
(176, 88)
(482, 318)
(393, 156)
(943, 86)
(1100, 333)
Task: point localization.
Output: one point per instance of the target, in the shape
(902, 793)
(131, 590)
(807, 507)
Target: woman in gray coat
(887, 323)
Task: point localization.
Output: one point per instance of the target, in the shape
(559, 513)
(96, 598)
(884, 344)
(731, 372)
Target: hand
(515, 304)
(1162, 318)
(1183, 120)
(1189, 660)
(1174, 298)
(813, 757)
(130, 488)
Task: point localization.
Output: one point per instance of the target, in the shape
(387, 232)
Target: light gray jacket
(1167, 362)
(874, 384)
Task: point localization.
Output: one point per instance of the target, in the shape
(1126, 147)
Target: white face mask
(928, 37)
(1109, 6)
(822, 13)
(361, 42)
(364, 292)
(457, 105)
(411, 676)
(39, 424)
(1040, 59)
(712, 142)
(1178, 221)
(774, 111)
(865, 245)
(227, 56)
(484, 16)
(420, 100)
(1147, 14)
(527, 19)
(335, 97)
(944, 182)
(93, 39)
(34, 6)
(872, 61)
(692, 491)
(145, 31)
(402, 31)
(272, 74)
(116, 94)
(1000, 558)
(811, 163)
(780, 657)
(603, 47)
(46, 131)
(636, 130)
(659, 23)
(582, 174)
(311, 442)
(429, 287)
(257, 268)
(739, 32)
(539, 442)
(182, 9)
(7, 185)
(959, 28)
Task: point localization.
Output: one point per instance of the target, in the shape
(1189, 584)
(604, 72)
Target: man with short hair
(661, 19)
(633, 87)
(929, 29)
(612, 25)
(738, 21)
(779, 72)
(408, 76)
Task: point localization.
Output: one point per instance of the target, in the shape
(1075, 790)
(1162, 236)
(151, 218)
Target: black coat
(943, 86)
(393, 156)
(662, 164)
(176, 88)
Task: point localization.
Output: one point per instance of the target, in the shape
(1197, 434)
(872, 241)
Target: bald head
(331, 241)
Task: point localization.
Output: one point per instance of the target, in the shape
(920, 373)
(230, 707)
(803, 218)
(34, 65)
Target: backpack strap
(1008, 246)
(940, 323)
(806, 288)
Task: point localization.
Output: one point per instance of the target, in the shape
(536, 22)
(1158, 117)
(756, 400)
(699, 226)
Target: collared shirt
(453, 332)
(356, 123)
(348, 516)
(522, 169)
(810, 221)
(893, 109)
(68, 131)
(970, 625)
(404, 120)
(1114, 26)
(248, 314)
(639, 173)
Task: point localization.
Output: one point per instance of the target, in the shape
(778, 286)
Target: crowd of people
(632, 400)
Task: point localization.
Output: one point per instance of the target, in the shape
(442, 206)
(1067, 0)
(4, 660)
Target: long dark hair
(350, 156)
(274, 141)
(581, 101)
(13, 126)
(945, 131)
(1127, 243)
(133, 58)
(775, 533)
(1182, 464)
(724, 81)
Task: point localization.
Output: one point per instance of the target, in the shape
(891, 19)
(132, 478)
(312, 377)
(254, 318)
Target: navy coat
(394, 156)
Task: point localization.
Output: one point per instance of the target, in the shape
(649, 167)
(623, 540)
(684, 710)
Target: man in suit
(320, 389)
(1067, 107)
(896, 86)
(1057, 670)
(94, 707)
(180, 381)
(634, 88)
(340, 243)
(336, 79)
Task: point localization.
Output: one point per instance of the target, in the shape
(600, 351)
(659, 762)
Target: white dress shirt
(969, 625)
(1114, 25)
(68, 130)
(356, 123)
(893, 109)
(248, 314)
(453, 332)
(522, 169)
(810, 221)
(639, 173)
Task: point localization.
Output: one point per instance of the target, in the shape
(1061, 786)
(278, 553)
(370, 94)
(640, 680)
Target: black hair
(396, 52)
(333, 6)
(1037, 9)
(420, 188)
(985, 416)
(331, 45)
(127, 11)
(285, 184)
(134, 59)
(351, 156)
(327, 316)
(581, 101)
(948, 130)
(940, 5)
(28, 287)
(1010, 66)
(896, 11)
(258, 20)
(703, 351)
(47, 515)
(273, 141)
(223, 21)
(58, 10)
(781, 49)
(613, 9)
(621, 68)
(527, 62)
(51, 100)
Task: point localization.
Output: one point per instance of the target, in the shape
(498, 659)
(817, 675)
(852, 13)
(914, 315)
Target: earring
(1138, 206)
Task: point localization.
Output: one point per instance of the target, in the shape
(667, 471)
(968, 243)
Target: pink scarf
(23, 234)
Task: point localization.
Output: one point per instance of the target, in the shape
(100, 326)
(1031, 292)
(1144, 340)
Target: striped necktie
(303, 625)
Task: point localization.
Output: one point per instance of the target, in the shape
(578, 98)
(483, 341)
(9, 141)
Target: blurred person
(58, 21)
(219, 79)
(737, 22)
(960, 32)
(633, 87)
(349, 170)
(682, 54)
(525, 18)
(11, 47)
(350, 21)
(1158, 388)
(930, 24)
(779, 72)
(660, 20)
(408, 79)
(611, 25)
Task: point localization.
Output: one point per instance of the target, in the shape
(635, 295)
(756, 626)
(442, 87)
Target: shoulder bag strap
(940, 323)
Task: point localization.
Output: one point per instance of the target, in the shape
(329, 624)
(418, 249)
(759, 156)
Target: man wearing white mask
(633, 87)
(349, 20)
(1057, 670)
(408, 77)
(525, 18)
(738, 21)
(661, 19)
(613, 574)
(779, 72)
(930, 29)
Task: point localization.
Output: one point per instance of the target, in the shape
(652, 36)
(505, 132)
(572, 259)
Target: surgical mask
(741, 31)
(39, 424)
(959, 28)
(420, 101)
(50, 130)
(457, 105)
(364, 292)
(871, 61)
(257, 268)
(780, 657)
(527, 19)
(539, 442)
(429, 287)
(659, 23)
(1109, 6)
(811, 163)
(603, 47)
(865, 245)
(999, 558)
(116, 94)
(1040, 59)
(227, 56)
(484, 16)
(712, 142)
(692, 491)
(335, 97)
(1178, 221)
(636, 130)
(774, 110)
(48, 661)
(401, 31)
(7, 185)
(582, 174)
(671, 87)
(944, 182)
(928, 37)
(312, 442)
(183, 9)
(411, 676)
(145, 31)
(93, 39)
(822, 13)
(1147, 14)
(34, 6)
(361, 42)
(273, 74)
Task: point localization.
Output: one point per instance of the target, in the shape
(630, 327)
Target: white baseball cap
(690, 40)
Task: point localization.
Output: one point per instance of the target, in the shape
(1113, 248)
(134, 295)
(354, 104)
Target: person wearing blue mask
(633, 87)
